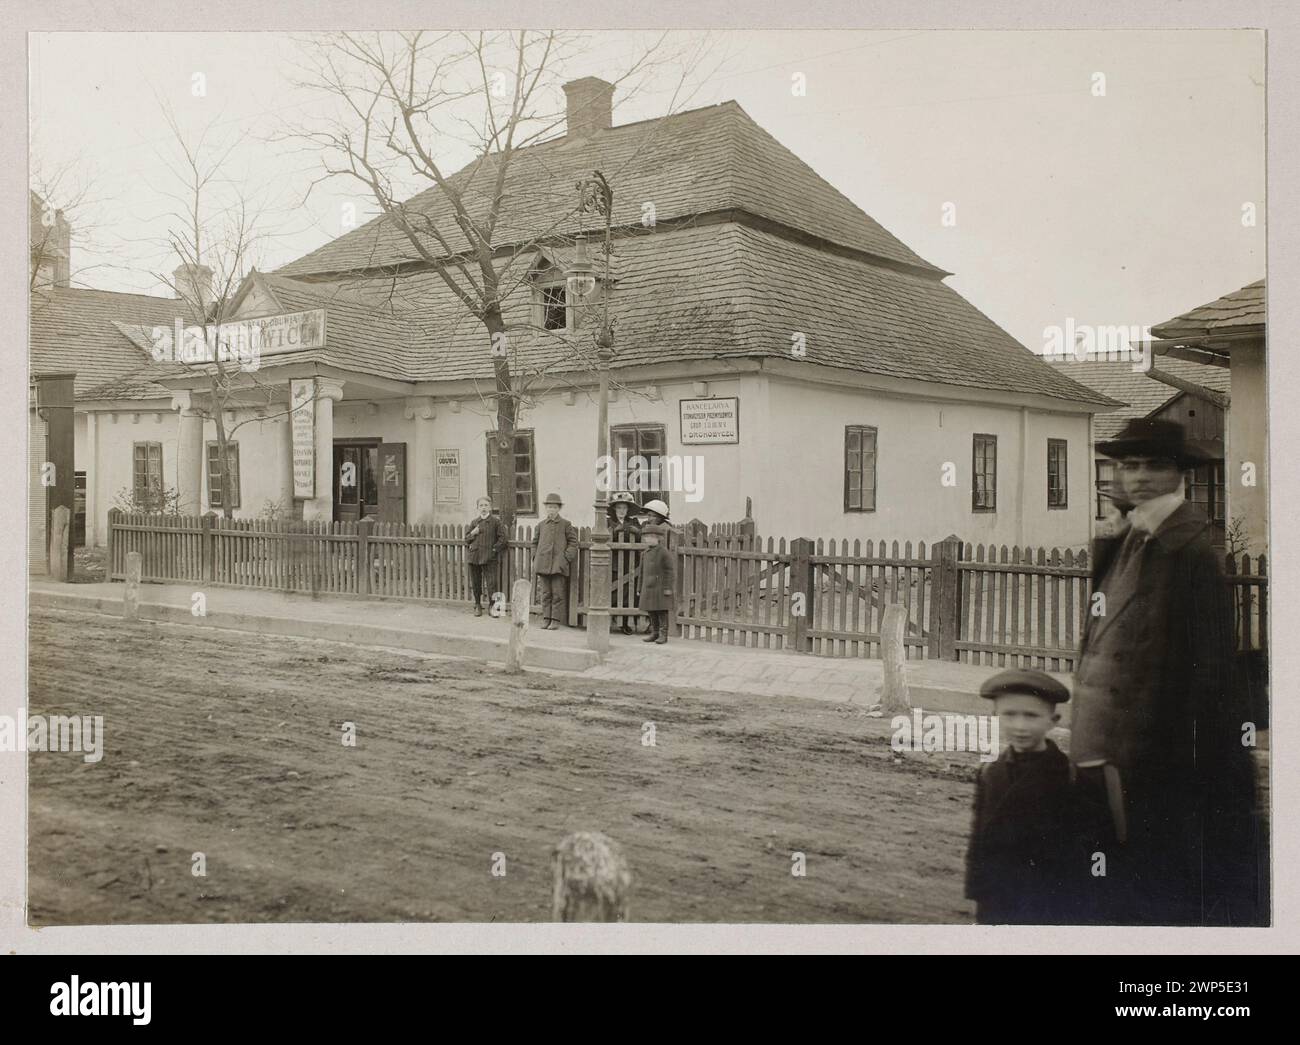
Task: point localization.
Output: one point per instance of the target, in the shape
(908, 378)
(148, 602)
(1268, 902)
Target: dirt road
(230, 745)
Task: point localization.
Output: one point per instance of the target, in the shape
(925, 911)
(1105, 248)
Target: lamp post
(596, 195)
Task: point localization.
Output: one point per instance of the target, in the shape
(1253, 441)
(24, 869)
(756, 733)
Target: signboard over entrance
(302, 396)
(710, 420)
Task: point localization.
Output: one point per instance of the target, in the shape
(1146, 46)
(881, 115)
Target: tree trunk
(504, 494)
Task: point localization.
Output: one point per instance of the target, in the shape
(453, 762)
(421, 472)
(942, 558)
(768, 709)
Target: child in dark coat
(657, 575)
(1027, 863)
(623, 529)
(485, 538)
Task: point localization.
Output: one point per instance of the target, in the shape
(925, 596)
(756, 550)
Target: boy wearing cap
(1025, 864)
(555, 546)
(657, 575)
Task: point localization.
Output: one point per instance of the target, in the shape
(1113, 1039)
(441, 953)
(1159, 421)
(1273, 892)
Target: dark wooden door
(392, 482)
(356, 493)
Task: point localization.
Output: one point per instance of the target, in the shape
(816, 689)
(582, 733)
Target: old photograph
(748, 476)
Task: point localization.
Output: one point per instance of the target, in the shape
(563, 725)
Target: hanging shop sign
(302, 396)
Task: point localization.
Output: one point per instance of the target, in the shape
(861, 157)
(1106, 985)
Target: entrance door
(369, 481)
(356, 490)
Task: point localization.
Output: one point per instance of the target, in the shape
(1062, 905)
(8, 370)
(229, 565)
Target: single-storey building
(774, 346)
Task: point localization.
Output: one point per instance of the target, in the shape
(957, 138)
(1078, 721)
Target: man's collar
(1149, 515)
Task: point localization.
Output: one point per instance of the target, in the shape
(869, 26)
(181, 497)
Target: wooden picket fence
(987, 605)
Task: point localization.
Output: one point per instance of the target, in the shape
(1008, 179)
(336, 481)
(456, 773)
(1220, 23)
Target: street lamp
(595, 195)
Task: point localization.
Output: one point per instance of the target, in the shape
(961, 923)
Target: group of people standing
(646, 577)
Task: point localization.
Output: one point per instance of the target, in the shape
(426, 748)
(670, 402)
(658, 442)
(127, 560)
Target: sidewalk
(453, 631)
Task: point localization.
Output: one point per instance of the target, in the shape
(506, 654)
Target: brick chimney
(589, 108)
(193, 284)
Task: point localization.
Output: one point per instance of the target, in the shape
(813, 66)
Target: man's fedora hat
(1148, 437)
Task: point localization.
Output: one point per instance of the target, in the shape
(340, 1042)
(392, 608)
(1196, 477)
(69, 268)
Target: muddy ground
(229, 745)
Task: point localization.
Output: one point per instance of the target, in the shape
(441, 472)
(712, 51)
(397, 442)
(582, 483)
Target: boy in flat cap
(1026, 864)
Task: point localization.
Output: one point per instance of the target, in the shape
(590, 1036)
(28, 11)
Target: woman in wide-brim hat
(623, 529)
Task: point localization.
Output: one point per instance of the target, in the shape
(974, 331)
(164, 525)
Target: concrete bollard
(131, 590)
(521, 598)
(59, 529)
(893, 628)
(592, 881)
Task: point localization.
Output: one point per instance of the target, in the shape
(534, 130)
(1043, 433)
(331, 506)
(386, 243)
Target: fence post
(60, 525)
(894, 695)
(206, 551)
(114, 517)
(363, 556)
(945, 605)
(131, 593)
(801, 589)
(521, 598)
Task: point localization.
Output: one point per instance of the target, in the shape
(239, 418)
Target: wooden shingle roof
(713, 291)
(1140, 394)
(1235, 312)
(76, 330)
(703, 161)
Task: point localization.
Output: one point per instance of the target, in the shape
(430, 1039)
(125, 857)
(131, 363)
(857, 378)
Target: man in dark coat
(1158, 725)
(657, 574)
(555, 547)
(486, 540)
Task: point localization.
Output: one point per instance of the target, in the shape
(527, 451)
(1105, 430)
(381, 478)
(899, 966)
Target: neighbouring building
(1229, 333)
(766, 329)
(1200, 405)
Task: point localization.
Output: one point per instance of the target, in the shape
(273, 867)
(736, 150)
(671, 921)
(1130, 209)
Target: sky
(1086, 177)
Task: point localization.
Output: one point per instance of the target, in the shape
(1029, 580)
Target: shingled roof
(703, 161)
(77, 330)
(1233, 313)
(749, 247)
(1140, 394)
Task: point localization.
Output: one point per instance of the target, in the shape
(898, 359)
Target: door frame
(367, 441)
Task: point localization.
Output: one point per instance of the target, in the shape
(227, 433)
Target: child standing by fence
(657, 576)
(623, 529)
(555, 548)
(486, 539)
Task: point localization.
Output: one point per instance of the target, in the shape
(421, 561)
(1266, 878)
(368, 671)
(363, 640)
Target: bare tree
(408, 106)
(216, 233)
(65, 223)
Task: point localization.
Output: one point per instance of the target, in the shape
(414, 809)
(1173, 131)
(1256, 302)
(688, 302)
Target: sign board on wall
(710, 420)
(447, 472)
(302, 396)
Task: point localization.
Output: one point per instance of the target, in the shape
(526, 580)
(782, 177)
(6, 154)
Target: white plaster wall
(915, 438)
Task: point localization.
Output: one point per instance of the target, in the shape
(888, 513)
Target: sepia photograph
(744, 476)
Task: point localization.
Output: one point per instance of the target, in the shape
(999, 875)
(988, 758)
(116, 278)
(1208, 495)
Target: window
(146, 476)
(554, 311)
(1105, 485)
(1057, 496)
(645, 478)
(524, 468)
(1205, 489)
(984, 492)
(859, 468)
(214, 474)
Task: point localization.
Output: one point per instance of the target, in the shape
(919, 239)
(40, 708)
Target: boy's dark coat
(1027, 862)
(555, 546)
(1188, 781)
(488, 543)
(657, 575)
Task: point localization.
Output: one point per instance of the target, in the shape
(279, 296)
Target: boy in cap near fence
(1026, 863)
(486, 539)
(657, 575)
(555, 547)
